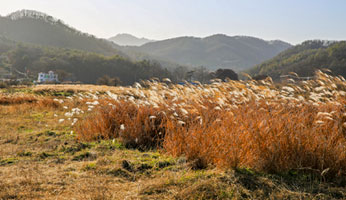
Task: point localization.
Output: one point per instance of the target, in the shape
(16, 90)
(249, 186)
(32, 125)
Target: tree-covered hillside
(213, 52)
(39, 28)
(74, 65)
(305, 59)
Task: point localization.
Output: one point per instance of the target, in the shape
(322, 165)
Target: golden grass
(142, 129)
(41, 158)
(75, 88)
(236, 124)
(16, 99)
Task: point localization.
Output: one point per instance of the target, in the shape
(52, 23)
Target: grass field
(234, 140)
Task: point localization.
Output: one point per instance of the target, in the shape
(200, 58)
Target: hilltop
(35, 27)
(125, 39)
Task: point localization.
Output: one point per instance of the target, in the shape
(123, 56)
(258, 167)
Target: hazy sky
(289, 20)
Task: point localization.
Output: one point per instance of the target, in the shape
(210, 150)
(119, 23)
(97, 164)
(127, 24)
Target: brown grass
(266, 138)
(109, 121)
(32, 100)
(75, 88)
(255, 125)
(205, 125)
(16, 99)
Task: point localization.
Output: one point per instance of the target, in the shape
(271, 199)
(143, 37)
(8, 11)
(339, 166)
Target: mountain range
(125, 39)
(39, 32)
(213, 52)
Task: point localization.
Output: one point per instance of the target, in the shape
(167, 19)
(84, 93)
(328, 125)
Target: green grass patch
(23, 129)
(8, 161)
(55, 93)
(37, 116)
(89, 166)
(25, 154)
(107, 145)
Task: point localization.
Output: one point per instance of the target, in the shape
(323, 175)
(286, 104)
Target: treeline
(74, 65)
(305, 59)
(27, 60)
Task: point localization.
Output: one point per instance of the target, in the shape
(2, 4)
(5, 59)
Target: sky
(292, 21)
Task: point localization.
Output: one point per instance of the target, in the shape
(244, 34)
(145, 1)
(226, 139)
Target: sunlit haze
(292, 21)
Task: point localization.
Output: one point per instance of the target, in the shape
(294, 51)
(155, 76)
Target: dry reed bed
(28, 100)
(77, 88)
(235, 124)
(17, 99)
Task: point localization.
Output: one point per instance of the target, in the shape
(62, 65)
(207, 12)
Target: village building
(47, 77)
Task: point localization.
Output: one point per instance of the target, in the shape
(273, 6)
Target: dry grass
(71, 144)
(142, 130)
(266, 138)
(76, 88)
(236, 124)
(16, 99)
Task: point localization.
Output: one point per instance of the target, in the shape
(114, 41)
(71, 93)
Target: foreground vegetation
(235, 140)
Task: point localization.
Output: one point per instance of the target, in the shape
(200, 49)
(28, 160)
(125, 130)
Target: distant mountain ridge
(125, 39)
(213, 52)
(216, 51)
(305, 59)
(35, 27)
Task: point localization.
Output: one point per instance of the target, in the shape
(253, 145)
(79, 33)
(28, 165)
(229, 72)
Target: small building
(47, 77)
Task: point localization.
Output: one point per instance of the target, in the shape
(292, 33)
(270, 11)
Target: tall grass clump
(17, 99)
(266, 138)
(256, 124)
(137, 128)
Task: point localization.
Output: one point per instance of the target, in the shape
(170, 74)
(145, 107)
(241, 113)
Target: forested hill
(305, 59)
(74, 65)
(39, 28)
(217, 51)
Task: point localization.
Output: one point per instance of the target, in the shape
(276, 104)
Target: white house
(47, 77)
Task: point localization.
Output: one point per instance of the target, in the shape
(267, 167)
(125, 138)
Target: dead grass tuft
(16, 99)
(136, 128)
